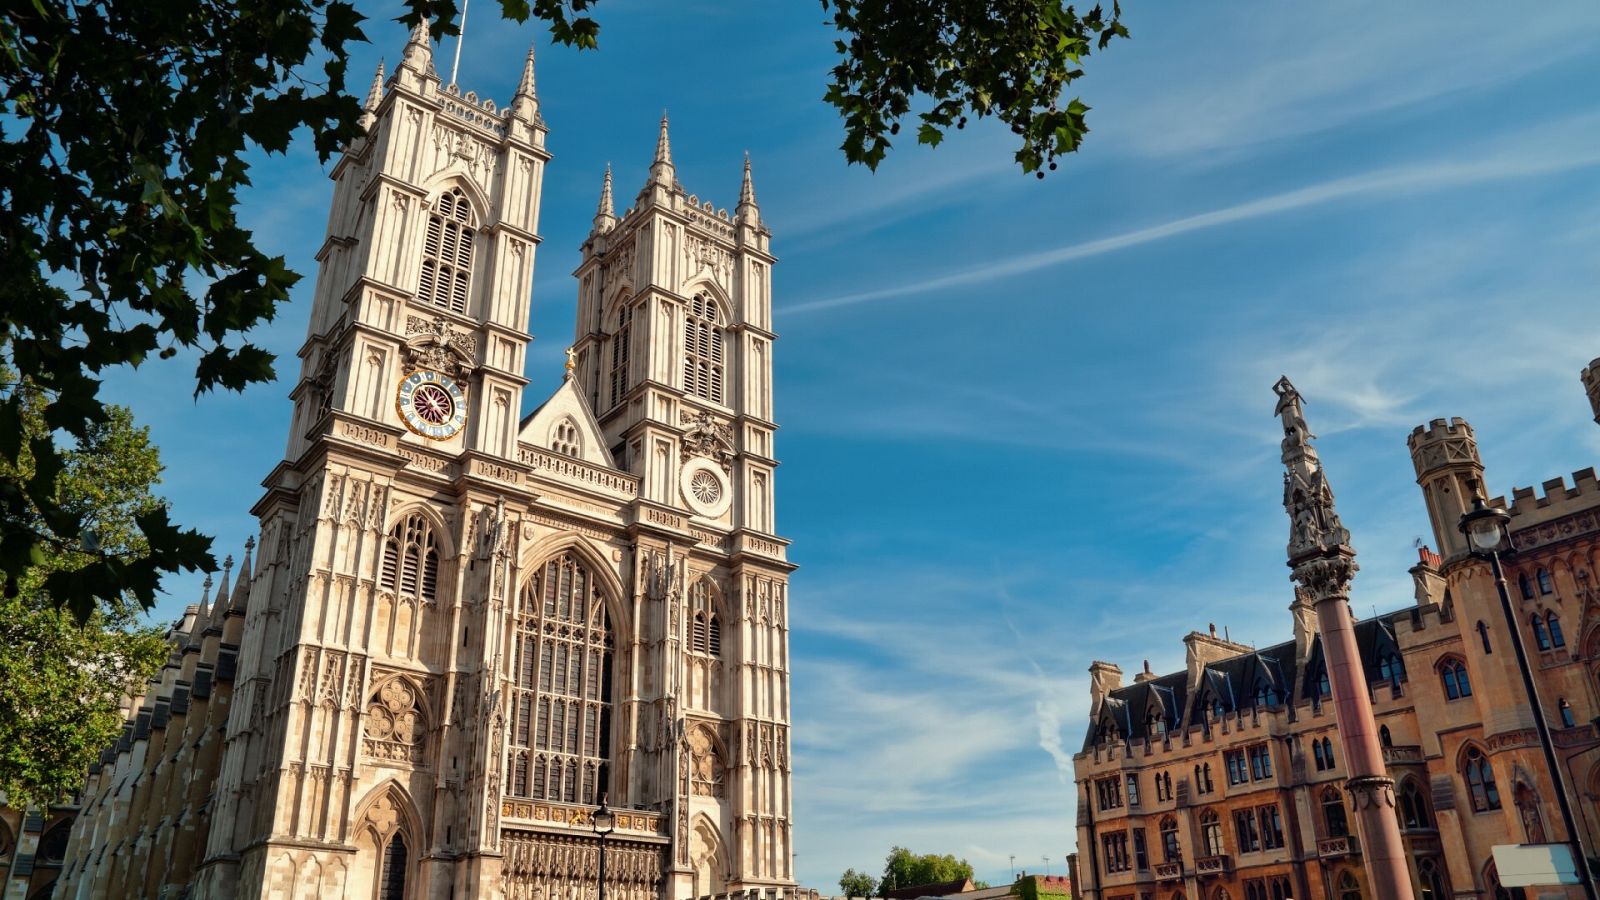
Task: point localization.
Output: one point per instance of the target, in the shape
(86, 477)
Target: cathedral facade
(463, 630)
(1230, 780)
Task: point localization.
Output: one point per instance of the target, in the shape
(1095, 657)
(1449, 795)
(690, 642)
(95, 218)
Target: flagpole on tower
(460, 33)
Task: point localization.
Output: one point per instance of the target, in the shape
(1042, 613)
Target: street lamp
(1485, 528)
(603, 822)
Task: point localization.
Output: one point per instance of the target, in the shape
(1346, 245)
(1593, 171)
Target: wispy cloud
(1386, 182)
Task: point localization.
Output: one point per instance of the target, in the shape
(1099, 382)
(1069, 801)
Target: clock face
(431, 405)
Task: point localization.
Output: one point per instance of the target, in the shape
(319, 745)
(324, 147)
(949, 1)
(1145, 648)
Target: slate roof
(1235, 682)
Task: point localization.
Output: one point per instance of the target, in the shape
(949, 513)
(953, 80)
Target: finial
(418, 54)
(605, 215)
(661, 170)
(205, 590)
(572, 362)
(747, 210)
(525, 103)
(249, 549)
(1314, 527)
(375, 93)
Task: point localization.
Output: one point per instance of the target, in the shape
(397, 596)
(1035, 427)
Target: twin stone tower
(464, 627)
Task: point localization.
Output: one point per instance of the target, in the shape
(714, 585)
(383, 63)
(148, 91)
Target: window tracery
(702, 349)
(410, 566)
(395, 723)
(621, 341)
(1479, 775)
(560, 738)
(1413, 806)
(447, 253)
(1211, 833)
(564, 439)
(708, 767)
(705, 637)
(1453, 674)
(1333, 814)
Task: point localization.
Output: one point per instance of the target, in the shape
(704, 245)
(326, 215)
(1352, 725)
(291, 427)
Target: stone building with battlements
(462, 628)
(1226, 781)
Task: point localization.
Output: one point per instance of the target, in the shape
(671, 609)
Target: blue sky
(1028, 424)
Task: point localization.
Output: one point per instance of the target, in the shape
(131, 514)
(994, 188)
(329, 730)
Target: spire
(606, 215)
(525, 103)
(1314, 527)
(241, 585)
(205, 592)
(418, 54)
(222, 583)
(661, 170)
(747, 210)
(369, 110)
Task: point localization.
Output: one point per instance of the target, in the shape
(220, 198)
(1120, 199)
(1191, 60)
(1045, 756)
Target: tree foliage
(857, 884)
(1011, 59)
(124, 129)
(902, 868)
(62, 681)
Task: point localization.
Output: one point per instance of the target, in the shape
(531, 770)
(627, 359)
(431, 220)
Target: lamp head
(1485, 526)
(603, 819)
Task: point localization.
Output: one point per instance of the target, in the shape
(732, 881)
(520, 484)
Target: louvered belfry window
(705, 635)
(560, 737)
(702, 349)
(447, 253)
(410, 565)
(620, 341)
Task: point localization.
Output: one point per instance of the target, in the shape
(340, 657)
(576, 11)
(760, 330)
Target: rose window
(705, 487)
(433, 404)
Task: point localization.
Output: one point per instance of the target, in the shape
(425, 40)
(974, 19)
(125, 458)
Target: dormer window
(447, 253)
(1390, 668)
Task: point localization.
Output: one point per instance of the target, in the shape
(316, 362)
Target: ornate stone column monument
(1323, 562)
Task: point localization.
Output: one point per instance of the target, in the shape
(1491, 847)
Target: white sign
(1526, 865)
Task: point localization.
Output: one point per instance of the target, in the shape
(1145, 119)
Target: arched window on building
(1553, 624)
(1541, 637)
(1413, 806)
(1316, 755)
(1327, 752)
(1453, 672)
(1546, 586)
(1483, 635)
(1385, 739)
(702, 349)
(1170, 850)
(396, 858)
(1281, 889)
(410, 565)
(1528, 810)
(1211, 833)
(1526, 585)
(561, 728)
(1479, 775)
(1431, 879)
(1206, 770)
(1324, 687)
(447, 253)
(1390, 668)
(1565, 709)
(706, 628)
(1497, 891)
(621, 343)
(1349, 886)
(1333, 814)
(1266, 697)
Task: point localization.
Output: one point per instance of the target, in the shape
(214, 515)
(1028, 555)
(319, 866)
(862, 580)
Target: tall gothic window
(1349, 887)
(1431, 879)
(1211, 833)
(1413, 806)
(1333, 813)
(1553, 621)
(706, 628)
(621, 340)
(702, 349)
(410, 565)
(392, 883)
(1479, 775)
(1540, 635)
(1170, 850)
(1454, 675)
(447, 253)
(561, 726)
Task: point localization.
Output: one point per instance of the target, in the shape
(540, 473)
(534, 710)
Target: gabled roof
(567, 404)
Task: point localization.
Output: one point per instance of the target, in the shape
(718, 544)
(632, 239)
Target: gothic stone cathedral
(462, 630)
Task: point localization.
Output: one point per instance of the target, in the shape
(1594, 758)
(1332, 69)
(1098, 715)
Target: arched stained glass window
(560, 740)
(1479, 775)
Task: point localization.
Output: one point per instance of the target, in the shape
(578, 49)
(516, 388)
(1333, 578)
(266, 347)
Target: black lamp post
(603, 822)
(1485, 528)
